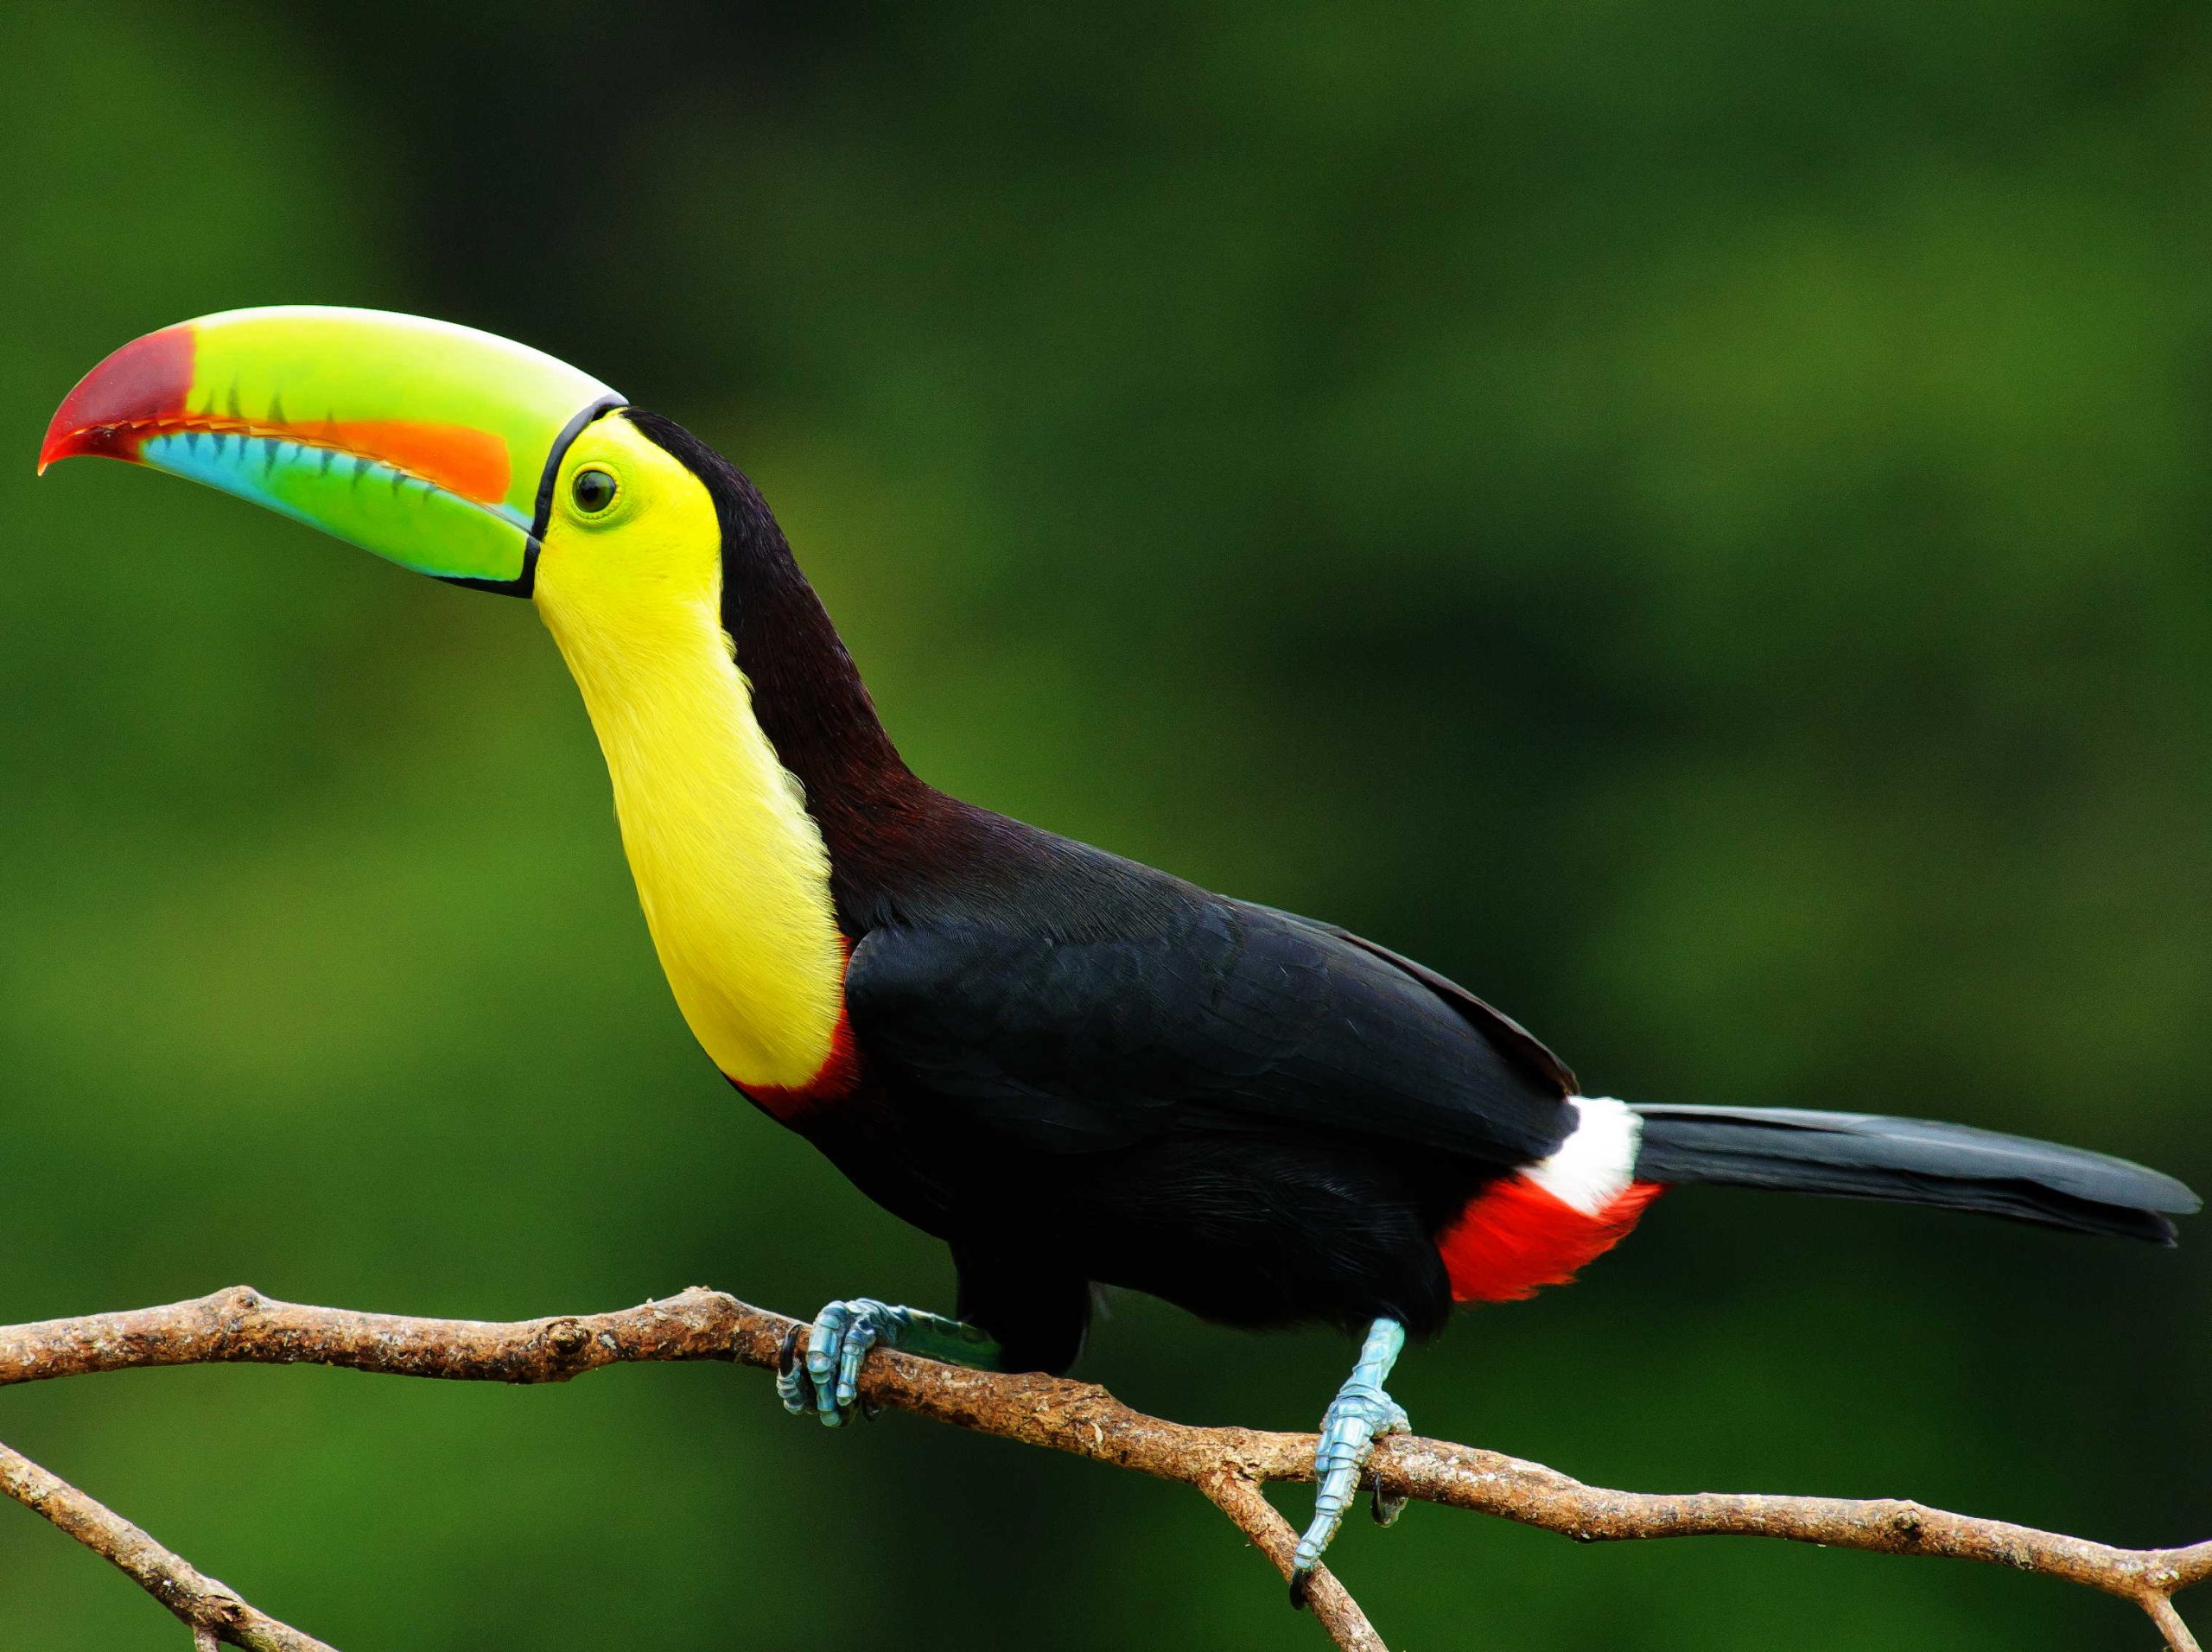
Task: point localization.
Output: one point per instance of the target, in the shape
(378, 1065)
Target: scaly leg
(1360, 1414)
(828, 1381)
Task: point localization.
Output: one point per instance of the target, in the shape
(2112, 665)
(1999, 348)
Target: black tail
(1861, 1155)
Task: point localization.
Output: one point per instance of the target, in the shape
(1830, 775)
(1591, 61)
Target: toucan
(1072, 1069)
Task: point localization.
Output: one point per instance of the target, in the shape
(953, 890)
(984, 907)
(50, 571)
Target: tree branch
(1228, 1465)
(1239, 1497)
(211, 1611)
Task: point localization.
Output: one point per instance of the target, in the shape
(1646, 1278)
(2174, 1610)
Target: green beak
(433, 445)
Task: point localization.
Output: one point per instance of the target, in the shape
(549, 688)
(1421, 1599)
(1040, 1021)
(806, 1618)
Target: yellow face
(632, 538)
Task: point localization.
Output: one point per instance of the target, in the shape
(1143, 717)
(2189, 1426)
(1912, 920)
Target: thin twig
(1242, 1501)
(240, 1325)
(2161, 1608)
(212, 1612)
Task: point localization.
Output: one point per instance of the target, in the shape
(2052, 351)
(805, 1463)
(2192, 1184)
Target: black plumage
(1076, 1068)
(1161, 1088)
(1953, 1166)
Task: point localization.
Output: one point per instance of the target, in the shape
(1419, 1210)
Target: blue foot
(1360, 1414)
(827, 1382)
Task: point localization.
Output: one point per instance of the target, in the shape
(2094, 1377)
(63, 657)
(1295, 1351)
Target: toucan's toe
(792, 1386)
(825, 1380)
(1357, 1417)
(1361, 1414)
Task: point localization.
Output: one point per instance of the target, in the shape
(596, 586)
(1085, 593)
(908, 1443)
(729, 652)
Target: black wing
(1214, 1008)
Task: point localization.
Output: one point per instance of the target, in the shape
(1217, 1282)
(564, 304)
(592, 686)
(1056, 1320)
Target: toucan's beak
(430, 444)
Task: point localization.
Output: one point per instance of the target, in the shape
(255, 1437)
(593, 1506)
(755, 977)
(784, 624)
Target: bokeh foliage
(1691, 517)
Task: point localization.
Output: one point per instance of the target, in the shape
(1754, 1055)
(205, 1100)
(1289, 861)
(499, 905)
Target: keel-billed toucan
(1073, 1069)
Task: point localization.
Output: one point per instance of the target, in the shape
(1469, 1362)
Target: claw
(1360, 1414)
(826, 1380)
(791, 1382)
(1383, 1506)
(843, 1334)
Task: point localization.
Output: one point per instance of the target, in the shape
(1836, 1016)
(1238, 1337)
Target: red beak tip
(148, 378)
(56, 445)
(64, 441)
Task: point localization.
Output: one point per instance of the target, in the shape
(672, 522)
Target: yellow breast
(731, 869)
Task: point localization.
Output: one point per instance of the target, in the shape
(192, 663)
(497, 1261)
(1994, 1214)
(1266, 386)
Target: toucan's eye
(593, 491)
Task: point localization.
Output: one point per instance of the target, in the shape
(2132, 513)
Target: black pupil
(595, 490)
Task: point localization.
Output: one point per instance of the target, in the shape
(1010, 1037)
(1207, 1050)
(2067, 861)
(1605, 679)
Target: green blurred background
(1692, 518)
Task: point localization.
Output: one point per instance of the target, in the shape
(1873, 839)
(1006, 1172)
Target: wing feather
(1215, 1010)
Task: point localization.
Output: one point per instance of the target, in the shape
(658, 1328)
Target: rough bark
(1228, 1465)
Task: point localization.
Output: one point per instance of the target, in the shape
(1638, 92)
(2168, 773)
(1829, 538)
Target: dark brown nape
(806, 691)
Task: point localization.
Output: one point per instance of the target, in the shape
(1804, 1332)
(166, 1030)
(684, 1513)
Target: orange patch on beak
(469, 462)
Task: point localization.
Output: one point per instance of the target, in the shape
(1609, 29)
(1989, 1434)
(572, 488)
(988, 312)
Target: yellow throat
(730, 867)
